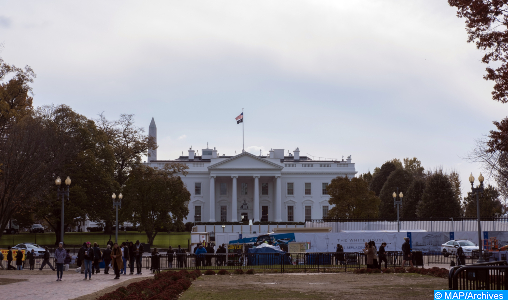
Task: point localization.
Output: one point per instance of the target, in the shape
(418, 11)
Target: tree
(400, 179)
(352, 199)
(455, 181)
(414, 166)
(490, 205)
(379, 178)
(438, 199)
(367, 177)
(156, 198)
(486, 26)
(411, 199)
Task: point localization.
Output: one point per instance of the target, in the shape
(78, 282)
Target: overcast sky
(373, 79)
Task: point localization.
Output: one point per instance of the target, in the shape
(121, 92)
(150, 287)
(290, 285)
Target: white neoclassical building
(275, 187)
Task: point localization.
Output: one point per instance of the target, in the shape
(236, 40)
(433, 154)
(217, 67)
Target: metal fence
(432, 225)
(487, 276)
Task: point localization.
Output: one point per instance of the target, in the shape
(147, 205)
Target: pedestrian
(132, 257)
(382, 255)
(106, 258)
(221, 255)
(170, 257)
(116, 255)
(200, 255)
(110, 243)
(2, 260)
(96, 258)
(10, 259)
(156, 260)
(125, 257)
(179, 256)
(81, 258)
(138, 250)
(209, 254)
(88, 259)
(60, 255)
(31, 259)
(406, 253)
(46, 260)
(370, 252)
(461, 257)
(19, 260)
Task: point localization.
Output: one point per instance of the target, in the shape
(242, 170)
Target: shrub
(250, 272)
(376, 270)
(209, 272)
(238, 272)
(387, 270)
(223, 272)
(399, 270)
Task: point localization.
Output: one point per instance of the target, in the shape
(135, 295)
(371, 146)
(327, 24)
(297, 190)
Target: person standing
(10, 259)
(60, 255)
(125, 257)
(180, 256)
(106, 258)
(200, 255)
(88, 259)
(96, 258)
(170, 257)
(138, 250)
(116, 255)
(110, 243)
(31, 259)
(46, 260)
(406, 253)
(209, 254)
(2, 261)
(81, 258)
(156, 260)
(19, 260)
(132, 257)
(461, 257)
(382, 255)
(370, 252)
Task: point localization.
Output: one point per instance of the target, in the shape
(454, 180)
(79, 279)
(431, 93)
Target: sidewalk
(43, 284)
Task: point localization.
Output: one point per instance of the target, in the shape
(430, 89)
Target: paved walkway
(43, 284)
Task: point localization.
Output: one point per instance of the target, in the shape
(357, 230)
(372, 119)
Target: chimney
(214, 153)
(272, 153)
(297, 154)
(191, 154)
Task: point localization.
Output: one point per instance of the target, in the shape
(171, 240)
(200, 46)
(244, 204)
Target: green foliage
(414, 167)
(400, 179)
(379, 178)
(412, 198)
(367, 177)
(438, 199)
(490, 203)
(352, 199)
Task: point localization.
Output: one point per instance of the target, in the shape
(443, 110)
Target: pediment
(245, 160)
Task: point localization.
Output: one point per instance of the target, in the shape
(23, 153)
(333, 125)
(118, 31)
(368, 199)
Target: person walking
(96, 258)
(31, 259)
(10, 259)
(88, 259)
(461, 257)
(382, 255)
(406, 253)
(81, 258)
(116, 255)
(46, 260)
(19, 260)
(138, 250)
(170, 254)
(60, 256)
(132, 257)
(125, 257)
(106, 258)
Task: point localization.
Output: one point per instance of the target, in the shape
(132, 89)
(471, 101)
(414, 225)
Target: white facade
(273, 188)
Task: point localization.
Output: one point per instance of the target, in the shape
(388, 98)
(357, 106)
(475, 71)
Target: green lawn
(162, 240)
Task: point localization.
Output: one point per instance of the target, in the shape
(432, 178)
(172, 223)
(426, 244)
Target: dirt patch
(98, 294)
(315, 286)
(4, 281)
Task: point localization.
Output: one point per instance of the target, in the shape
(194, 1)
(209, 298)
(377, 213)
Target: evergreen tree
(438, 199)
(352, 199)
(412, 198)
(398, 179)
(490, 204)
(379, 178)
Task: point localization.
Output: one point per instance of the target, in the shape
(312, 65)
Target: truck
(12, 227)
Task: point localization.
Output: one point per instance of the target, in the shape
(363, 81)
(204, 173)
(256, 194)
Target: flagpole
(243, 133)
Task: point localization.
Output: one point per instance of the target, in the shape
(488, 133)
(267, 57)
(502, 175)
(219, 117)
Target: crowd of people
(376, 257)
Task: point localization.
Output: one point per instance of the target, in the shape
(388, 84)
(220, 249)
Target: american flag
(239, 119)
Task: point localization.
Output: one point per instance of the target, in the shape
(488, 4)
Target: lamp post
(478, 191)
(223, 226)
(62, 194)
(398, 204)
(117, 204)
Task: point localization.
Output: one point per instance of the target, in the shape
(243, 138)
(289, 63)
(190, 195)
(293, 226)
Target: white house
(275, 187)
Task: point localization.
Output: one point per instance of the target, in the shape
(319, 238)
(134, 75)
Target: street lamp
(398, 204)
(117, 204)
(223, 226)
(62, 194)
(478, 190)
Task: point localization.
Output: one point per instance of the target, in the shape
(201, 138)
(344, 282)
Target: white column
(234, 201)
(256, 198)
(278, 200)
(212, 198)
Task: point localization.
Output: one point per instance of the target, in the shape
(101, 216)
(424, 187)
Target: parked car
(450, 247)
(38, 250)
(37, 228)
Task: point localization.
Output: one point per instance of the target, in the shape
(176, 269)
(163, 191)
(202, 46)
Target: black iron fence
(486, 276)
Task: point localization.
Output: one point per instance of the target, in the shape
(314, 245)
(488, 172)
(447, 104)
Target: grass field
(162, 240)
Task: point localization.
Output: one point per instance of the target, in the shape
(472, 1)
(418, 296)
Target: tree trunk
(108, 227)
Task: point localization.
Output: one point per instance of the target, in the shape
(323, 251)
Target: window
(307, 188)
(223, 213)
(325, 165)
(290, 165)
(264, 213)
(197, 213)
(207, 152)
(290, 188)
(325, 211)
(197, 165)
(264, 189)
(223, 189)
(197, 188)
(307, 165)
(308, 213)
(325, 185)
(244, 189)
(291, 214)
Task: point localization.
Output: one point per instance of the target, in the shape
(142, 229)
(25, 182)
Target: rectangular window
(244, 189)
(264, 189)
(223, 213)
(325, 185)
(223, 189)
(307, 188)
(197, 213)
(291, 214)
(290, 186)
(325, 211)
(197, 188)
(308, 213)
(264, 213)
